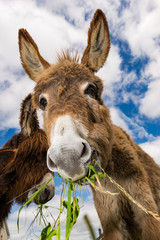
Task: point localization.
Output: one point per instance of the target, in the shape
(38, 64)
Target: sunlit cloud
(153, 149)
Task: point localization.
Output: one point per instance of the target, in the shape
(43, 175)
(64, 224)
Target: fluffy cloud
(153, 149)
(134, 129)
(150, 103)
(138, 21)
(138, 24)
(118, 120)
(10, 99)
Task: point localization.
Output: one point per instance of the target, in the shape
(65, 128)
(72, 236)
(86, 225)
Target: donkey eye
(92, 91)
(43, 102)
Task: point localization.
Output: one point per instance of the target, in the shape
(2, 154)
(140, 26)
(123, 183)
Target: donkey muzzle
(69, 153)
(70, 160)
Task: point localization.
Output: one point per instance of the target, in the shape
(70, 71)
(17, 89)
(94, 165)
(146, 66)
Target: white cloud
(118, 120)
(134, 129)
(150, 102)
(153, 149)
(10, 99)
(138, 24)
(75, 11)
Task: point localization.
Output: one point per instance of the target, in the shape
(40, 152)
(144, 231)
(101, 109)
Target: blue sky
(131, 74)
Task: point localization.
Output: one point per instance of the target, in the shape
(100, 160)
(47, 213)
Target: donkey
(23, 163)
(79, 128)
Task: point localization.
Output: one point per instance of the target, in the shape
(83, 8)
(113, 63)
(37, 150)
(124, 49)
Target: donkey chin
(72, 164)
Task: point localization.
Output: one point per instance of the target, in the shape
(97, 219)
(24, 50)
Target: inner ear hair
(33, 63)
(98, 46)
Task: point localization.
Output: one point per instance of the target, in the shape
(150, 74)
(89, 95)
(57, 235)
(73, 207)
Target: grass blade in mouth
(68, 221)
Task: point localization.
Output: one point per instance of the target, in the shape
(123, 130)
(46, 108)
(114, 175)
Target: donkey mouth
(94, 161)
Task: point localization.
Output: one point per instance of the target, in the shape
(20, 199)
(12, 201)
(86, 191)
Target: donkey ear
(98, 46)
(33, 63)
(7, 156)
(28, 117)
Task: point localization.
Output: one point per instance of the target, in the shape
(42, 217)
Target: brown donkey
(23, 163)
(79, 128)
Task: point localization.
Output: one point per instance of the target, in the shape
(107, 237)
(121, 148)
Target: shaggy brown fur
(7, 157)
(25, 165)
(120, 157)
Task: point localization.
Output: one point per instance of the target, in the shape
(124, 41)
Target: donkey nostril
(83, 150)
(47, 192)
(50, 164)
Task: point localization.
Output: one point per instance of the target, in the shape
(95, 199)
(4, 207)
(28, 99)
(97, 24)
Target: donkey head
(23, 158)
(34, 148)
(76, 121)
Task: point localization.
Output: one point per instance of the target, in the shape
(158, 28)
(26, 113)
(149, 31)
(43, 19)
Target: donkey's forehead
(67, 73)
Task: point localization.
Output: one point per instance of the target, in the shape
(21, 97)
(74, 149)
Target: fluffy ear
(28, 117)
(33, 63)
(98, 46)
(7, 156)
